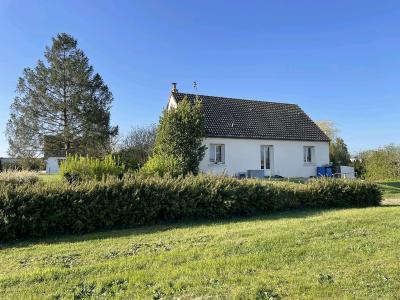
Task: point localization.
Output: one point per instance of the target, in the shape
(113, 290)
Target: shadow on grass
(393, 184)
(390, 186)
(163, 227)
(155, 228)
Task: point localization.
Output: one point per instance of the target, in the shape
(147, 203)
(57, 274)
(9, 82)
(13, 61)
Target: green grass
(391, 189)
(345, 254)
(50, 177)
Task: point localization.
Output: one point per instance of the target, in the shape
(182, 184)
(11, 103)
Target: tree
(382, 163)
(329, 127)
(180, 135)
(338, 152)
(61, 103)
(136, 147)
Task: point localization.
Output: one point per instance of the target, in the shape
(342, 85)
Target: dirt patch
(389, 201)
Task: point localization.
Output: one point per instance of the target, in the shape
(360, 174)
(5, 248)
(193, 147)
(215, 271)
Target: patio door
(267, 155)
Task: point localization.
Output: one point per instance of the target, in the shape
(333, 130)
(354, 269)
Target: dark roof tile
(239, 118)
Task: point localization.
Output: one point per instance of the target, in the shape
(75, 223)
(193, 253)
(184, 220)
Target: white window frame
(266, 150)
(213, 153)
(309, 154)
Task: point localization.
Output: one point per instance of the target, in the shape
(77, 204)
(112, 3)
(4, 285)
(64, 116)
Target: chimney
(174, 89)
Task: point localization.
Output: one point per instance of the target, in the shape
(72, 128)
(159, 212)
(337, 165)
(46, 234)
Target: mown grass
(50, 177)
(390, 189)
(317, 254)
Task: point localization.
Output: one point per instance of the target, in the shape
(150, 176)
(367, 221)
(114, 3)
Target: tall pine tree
(62, 106)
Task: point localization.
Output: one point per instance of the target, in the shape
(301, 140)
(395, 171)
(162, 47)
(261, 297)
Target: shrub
(382, 164)
(15, 177)
(180, 134)
(76, 168)
(53, 208)
(161, 165)
(27, 163)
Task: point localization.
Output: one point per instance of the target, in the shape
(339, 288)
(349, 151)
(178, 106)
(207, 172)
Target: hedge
(36, 210)
(15, 177)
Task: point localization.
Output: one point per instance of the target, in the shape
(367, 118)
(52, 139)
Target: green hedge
(53, 208)
(14, 177)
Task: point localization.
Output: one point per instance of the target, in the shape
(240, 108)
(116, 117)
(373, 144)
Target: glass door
(266, 159)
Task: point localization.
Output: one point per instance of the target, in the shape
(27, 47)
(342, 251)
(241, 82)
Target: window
(309, 154)
(265, 157)
(217, 153)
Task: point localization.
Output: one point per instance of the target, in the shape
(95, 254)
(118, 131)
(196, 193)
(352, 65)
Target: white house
(258, 138)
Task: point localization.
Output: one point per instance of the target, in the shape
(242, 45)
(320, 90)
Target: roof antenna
(195, 88)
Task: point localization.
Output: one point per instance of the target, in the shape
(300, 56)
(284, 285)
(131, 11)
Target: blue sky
(339, 60)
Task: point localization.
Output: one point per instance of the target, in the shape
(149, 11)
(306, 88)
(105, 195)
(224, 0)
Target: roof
(254, 119)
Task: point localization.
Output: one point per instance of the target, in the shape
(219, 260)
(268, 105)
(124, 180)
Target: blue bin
(325, 171)
(321, 171)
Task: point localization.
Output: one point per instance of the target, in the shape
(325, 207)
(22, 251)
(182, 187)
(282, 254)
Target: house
(258, 138)
(53, 164)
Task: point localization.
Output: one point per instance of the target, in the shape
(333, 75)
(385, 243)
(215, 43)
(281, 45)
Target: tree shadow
(162, 227)
(391, 185)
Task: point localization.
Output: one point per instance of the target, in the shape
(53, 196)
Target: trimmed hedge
(55, 208)
(15, 177)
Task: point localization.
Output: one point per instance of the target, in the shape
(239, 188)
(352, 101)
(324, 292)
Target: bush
(382, 164)
(180, 133)
(52, 208)
(162, 165)
(76, 168)
(15, 177)
(27, 163)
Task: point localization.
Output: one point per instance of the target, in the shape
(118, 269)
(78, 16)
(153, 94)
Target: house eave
(264, 138)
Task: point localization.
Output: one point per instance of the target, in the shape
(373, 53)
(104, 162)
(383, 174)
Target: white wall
(244, 154)
(52, 165)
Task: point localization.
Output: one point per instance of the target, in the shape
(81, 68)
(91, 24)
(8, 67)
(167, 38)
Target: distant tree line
(376, 164)
(379, 164)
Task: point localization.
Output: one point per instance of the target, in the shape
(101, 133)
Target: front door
(267, 159)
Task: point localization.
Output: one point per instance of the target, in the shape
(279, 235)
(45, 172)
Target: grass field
(391, 189)
(351, 253)
(50, 177)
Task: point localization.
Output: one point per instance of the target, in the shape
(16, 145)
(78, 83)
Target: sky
(338, 60)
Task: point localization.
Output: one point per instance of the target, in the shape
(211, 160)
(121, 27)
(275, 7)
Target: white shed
(53, 164)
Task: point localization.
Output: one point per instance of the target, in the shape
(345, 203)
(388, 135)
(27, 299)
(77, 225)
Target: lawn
(352, 253)
(50, 177)
(391, 189)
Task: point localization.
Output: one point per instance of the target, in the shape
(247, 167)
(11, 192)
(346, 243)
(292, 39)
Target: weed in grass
(84, 291)
(367, 247)
(158, 294)
(112, 288)
(267, 294)
(66, 261)
(111, 254)
(56, 296)
(147, 247)
(25, 262)
(325, 279)
(250, 271)
(213, 281)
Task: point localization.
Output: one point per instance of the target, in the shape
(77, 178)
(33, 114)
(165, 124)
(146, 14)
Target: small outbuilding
(53, 164)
